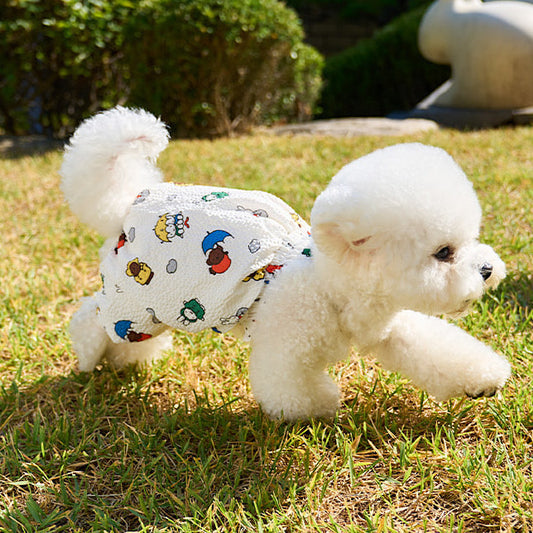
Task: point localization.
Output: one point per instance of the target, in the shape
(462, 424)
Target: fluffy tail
(110, 159)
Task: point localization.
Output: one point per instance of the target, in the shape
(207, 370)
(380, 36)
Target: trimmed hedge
(383, 74)
(214, 67)
(208, 67)
(61, 60)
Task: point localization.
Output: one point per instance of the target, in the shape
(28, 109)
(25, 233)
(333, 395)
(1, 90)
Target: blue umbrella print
(213, 238)
(122, 327)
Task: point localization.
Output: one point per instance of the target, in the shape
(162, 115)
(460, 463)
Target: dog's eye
(445, 254)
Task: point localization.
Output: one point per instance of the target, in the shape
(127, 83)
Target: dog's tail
(110, 159)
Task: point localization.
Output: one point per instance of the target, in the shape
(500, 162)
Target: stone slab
(353, 127)
(463, 118)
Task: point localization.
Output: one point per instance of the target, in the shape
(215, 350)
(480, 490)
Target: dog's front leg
(440, 358)
(294, 341)
(287, 387)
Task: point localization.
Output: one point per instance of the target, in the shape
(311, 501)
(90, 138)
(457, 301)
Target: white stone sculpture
(489, 47)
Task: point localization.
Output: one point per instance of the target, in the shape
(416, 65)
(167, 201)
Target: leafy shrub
(381, 74)
(209, 67)
(298, 91)
(61, 60)
(214, 67)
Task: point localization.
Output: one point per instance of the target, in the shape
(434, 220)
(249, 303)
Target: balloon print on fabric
(172, 266)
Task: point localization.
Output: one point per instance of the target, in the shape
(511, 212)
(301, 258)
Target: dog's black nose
(485, 271)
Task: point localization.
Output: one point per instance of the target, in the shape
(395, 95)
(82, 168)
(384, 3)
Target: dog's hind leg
(145, 352)
(91, 343)
(89, 339)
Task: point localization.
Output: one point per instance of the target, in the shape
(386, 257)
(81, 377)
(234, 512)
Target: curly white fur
(109, 160)
(394, 242)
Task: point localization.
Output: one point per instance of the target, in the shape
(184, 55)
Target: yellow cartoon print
(140, 272)
(170, 226)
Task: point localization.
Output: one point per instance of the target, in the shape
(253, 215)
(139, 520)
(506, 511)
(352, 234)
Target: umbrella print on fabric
(217, 258)
(124, 330)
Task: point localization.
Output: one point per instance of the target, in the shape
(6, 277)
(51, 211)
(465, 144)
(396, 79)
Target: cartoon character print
(141, 197)
(122, 240)
(215, 195)
(233, 319)
(297, 218)
(300, 222)
(254, 212)
(170, 226)
(151, 312)
(191, 312)
(261, 273)
(217, 258)
(123, 328)
(139, 271)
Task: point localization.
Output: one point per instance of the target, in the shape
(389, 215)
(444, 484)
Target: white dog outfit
(194, 257)
(393, 245)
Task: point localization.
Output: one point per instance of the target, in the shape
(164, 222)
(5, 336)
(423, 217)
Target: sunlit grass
(182, 446)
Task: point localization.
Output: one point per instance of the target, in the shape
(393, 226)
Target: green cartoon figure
(215, 195)
(192, 311)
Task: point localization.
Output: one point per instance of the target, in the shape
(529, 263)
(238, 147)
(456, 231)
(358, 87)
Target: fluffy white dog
(394, 240)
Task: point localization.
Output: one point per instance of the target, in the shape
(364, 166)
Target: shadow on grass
(15, 147)
(105, 451)
(108, 451)
(516, 289)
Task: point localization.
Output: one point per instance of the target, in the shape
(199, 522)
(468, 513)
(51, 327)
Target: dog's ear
(340, 239)
(339, 223)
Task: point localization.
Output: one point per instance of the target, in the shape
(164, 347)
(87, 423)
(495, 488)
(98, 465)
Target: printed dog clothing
(194, 257)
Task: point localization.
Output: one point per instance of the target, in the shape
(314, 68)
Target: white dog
(394, 240)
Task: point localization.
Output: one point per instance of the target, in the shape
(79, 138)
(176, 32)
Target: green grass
(182, 446)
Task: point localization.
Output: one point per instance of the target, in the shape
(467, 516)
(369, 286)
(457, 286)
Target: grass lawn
(182, 446)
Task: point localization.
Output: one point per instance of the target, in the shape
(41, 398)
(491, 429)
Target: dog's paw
(490, 379)
(488, 393)
(319, 399)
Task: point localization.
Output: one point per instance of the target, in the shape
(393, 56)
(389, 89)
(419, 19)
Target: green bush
(215, 67)
(382, 74)
(61, 60)
(298, 89)
(207, 67)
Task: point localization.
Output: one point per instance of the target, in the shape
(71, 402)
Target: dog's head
(403, 222)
